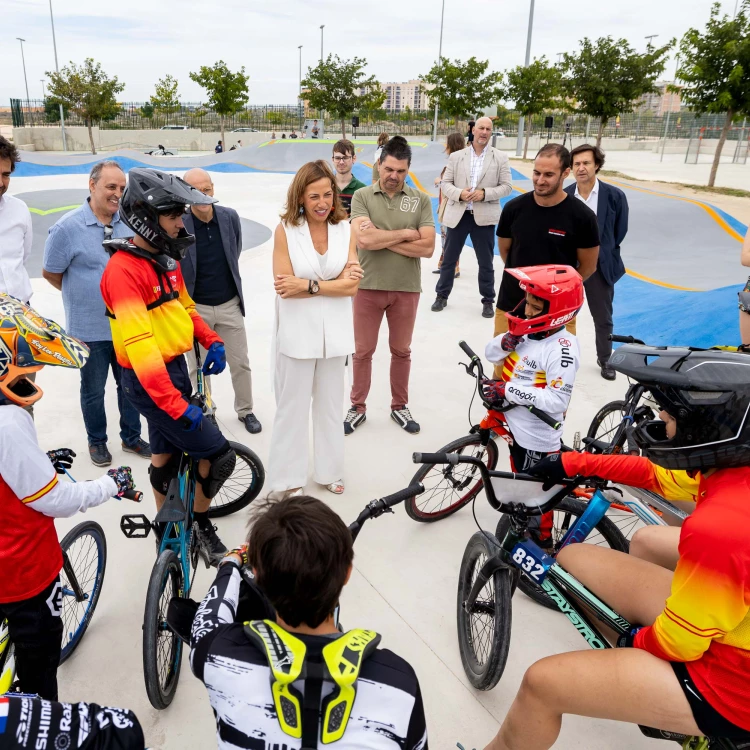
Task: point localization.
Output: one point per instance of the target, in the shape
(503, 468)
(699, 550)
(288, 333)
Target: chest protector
(289, 660)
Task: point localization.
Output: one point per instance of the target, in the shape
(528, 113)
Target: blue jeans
(93, 379)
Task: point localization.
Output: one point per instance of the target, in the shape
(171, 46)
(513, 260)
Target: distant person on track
(382, 140)
(343, 161)
(212, 277)
(315, 129)
(74, 261)
(315, 272)
(544, 227)
(15, 230)
(394, 230)
(744, 295)
(454, 142)
(474, 182)
(611, 208)
(219, 148)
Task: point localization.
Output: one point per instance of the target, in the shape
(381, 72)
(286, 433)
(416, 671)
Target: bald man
(475, 180)
(212, 276)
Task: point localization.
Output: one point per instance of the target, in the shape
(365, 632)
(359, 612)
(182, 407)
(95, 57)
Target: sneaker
(353, 420)
(211, 544)
(252, 425)
(99, 454)
(439, 304)
(488, 310)
(404, 419)
(140, 448)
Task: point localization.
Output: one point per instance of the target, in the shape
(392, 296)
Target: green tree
(87, 91)
(164, 99)
(340, 87)
(52, 111)
(275, 118)
(147, 110)
(227, 91)
(715, 71)
(463, 89)
(608, 77)
(535, 88)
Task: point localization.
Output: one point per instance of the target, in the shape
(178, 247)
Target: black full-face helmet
(150, 193)
(708, 394)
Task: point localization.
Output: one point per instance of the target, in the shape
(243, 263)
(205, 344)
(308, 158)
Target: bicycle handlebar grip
(467, 349)
(546, 418)
(624, 339)
(435, 458)
(398, 497)
(134, 495)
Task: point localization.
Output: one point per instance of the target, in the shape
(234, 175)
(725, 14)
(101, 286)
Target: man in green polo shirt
(343, 161)
(394, 229)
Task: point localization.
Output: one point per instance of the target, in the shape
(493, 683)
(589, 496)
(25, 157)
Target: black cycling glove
(551, 469)
(626, 641)
(62, 459)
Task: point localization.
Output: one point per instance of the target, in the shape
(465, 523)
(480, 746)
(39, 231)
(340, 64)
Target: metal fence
(284, 118)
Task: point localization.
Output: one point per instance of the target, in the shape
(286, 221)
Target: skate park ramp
(682, 255)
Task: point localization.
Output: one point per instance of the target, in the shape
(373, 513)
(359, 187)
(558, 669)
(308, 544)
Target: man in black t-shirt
(546, 226)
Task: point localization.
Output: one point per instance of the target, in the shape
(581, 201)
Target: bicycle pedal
(135, 526)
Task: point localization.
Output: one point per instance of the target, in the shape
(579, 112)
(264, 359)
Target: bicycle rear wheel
(242, 487)
(448, 488)
(483, 624)
(564, 516)
(85, 561)
(162, 648)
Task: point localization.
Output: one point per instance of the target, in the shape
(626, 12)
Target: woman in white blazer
(316, 273)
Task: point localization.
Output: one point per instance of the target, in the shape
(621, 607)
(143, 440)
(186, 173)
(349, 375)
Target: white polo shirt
(15, 247)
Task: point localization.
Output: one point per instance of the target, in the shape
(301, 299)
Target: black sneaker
(353, 420)
(404, 419)
(99, 454)
(252, 425)
(439, 304)
(140, 448)
(488, 310)
(211, 544)
(608, 373)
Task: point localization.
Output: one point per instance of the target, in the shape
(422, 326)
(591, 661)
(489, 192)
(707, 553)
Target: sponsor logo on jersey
(557, 384)
(558, 232)
(563, 342)
(530, 362)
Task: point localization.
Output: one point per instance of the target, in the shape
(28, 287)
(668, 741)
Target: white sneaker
(353, 420)
(404, 419)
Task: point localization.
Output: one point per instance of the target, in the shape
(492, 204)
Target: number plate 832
(532, 560)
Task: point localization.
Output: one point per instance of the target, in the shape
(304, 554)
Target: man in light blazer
(611, 208)
(212, 277)
(475, 180)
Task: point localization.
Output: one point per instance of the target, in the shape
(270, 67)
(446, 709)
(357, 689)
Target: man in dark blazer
(611, 208)
(212, 277)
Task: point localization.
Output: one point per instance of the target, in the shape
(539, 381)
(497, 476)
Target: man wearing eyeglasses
(346, 182)
(212, 277)
(74, 261)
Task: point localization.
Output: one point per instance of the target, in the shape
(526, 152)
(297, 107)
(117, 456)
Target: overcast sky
(141, 40)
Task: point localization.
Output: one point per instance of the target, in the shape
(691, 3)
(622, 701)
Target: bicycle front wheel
(604, 426)
(565, 515)
(448, 488)
(162, 648)
(84, 563)
(242, 487)
(484, 623)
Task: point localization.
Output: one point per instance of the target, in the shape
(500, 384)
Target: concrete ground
(405, 578)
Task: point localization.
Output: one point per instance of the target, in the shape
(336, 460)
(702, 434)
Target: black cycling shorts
(167, 435)
(708, 719)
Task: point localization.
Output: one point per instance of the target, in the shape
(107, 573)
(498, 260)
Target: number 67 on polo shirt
(409, 205)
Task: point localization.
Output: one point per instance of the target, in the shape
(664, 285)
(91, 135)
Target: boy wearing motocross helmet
(31, 497)
(539, 361)
(154, 322)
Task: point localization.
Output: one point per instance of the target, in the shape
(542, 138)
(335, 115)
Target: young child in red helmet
(539, 364)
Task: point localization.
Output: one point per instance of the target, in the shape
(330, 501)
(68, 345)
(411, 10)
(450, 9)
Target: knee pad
(161, 476)
(222, 466)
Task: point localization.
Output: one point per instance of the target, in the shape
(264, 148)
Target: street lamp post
(669, 110)
(57, 69)
(440, 60)
(521, 123)
(321, 41)
(25, 80)
(44, 95)
(300, 86)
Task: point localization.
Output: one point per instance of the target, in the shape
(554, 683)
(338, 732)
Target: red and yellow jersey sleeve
(202, 332)
(635, 471)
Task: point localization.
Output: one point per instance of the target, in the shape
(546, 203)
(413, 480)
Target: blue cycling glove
(626, 641)
(192, 417)
(216, 359)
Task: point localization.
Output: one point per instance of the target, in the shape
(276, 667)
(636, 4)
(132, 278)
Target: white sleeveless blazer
(319, 327)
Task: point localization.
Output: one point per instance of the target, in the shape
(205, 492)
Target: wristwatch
(313, 287)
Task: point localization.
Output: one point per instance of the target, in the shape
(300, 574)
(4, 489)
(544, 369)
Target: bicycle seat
(599, 446)
(173, 511)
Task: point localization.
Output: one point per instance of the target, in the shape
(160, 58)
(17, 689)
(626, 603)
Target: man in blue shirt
(74, 261)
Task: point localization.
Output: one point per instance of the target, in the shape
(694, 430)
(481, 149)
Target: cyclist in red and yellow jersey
(154, 322)
(686, 668)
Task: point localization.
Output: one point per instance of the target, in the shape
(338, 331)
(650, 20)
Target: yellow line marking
(648, 279)
(710, 210)
(43, 212)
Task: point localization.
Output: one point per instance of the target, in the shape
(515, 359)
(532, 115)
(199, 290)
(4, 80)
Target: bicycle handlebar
(625, 339)
(134, 495)
(468, 351)
(376, 508)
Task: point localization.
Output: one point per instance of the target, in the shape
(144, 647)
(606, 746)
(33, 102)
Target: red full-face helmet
(561, 288)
